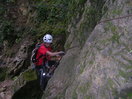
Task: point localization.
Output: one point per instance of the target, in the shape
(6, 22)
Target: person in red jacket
(45, 54)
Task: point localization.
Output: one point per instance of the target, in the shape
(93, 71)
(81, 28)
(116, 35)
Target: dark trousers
(39, 69)
(43, 68)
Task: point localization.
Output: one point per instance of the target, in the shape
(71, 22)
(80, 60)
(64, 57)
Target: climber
(44, 55)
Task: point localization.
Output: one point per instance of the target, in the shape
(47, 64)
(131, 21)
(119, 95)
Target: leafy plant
(7, 32)
(42, 12)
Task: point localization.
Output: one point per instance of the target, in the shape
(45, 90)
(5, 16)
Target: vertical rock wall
(101, 68)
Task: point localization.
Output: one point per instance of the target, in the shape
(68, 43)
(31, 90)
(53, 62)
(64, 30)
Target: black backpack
(34, 53)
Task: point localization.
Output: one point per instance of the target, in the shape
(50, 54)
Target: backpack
(34, 53)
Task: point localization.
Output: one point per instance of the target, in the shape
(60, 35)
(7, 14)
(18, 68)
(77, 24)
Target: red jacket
(42, 51)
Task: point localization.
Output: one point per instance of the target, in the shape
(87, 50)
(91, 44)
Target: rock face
(18, 63)
(6, 90)
(15, 67)
(100, 68)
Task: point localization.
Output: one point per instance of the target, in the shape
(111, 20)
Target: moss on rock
(29, 75)
(3, 74)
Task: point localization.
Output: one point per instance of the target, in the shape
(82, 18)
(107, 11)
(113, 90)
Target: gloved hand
(58, 57)
(61, 53)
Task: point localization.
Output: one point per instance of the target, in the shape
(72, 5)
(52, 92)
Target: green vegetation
(82, 68)
(54, 15)
(115, 37)
(116, 11)
(6, 31)
(83, 88)
(2, 10)
(74, 94)
(129, 94)
(30, 75)
(126, 94)
(2, 74)
(60, 96)
(93, 14)
(7, 1)
(126, 75)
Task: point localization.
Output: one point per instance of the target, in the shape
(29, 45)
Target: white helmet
(47, 38)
